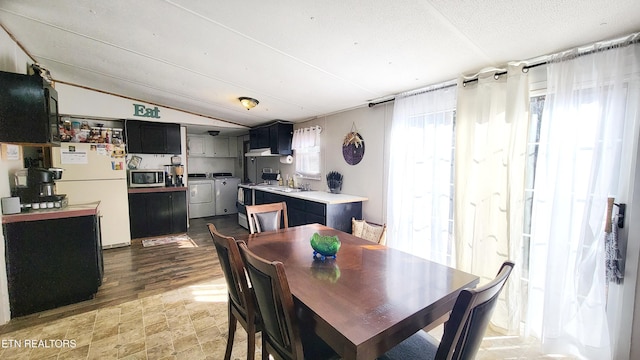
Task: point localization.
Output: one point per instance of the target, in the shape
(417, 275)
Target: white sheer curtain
(306, 144)
(491, 138)
(420, 165)
(578, 165)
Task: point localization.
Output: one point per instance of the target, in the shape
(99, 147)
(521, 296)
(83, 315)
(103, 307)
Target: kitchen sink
(284, 189)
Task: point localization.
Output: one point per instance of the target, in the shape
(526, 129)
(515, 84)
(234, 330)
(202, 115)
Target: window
(420, 191)
(306, 144)
(533, 142)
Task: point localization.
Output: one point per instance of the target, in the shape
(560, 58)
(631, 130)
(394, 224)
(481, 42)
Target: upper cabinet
(211, 146)
(276, 136)
(196, 145)
(28, 110)
(259, 138)
(146, 137)
(221, 147)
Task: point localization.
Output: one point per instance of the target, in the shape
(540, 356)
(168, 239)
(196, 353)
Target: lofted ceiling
(300, 58)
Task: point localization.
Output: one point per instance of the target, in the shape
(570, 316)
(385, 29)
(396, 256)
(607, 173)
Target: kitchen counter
(74, 210)
(323, 197)
(156, 189)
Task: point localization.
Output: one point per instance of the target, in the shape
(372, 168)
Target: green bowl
(325, 246)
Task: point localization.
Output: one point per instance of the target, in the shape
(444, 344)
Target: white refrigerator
(97, 172)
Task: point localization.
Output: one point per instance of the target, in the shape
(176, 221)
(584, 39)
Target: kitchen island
(53, 257)
(308, 207)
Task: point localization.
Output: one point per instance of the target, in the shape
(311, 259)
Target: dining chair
(241, 303)
(369, 231)
(464, 330)
(267, 217)
(281, 335)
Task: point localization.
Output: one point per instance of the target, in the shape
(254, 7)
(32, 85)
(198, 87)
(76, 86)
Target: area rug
(183, 240)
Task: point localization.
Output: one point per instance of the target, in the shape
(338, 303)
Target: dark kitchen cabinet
(51, 263)
(301, 212)
(157, 213)
(28, 110)
(259, 138)
(276, 136)
(147, 137)
(280, 136)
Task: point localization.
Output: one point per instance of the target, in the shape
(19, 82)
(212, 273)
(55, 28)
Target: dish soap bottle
(279, 179)
(290, 182)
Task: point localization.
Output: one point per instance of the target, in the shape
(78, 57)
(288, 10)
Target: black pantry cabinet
(157, 213)
(147, 137)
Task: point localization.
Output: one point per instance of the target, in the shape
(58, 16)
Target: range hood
(260, 152)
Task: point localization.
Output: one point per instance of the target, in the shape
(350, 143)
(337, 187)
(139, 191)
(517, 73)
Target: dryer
(202, 200)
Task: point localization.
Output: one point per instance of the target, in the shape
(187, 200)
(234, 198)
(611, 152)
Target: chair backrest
(369, 231)
(280, 333)
(233, 269)
(267, 217)
(464, 330)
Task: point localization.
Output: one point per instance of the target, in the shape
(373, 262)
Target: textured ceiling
(299, 58)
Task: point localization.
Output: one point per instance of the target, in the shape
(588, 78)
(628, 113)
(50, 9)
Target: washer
(202, 200)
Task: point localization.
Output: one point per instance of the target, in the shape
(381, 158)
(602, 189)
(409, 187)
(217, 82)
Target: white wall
(367, 178)
(83, 102)
(212, 165)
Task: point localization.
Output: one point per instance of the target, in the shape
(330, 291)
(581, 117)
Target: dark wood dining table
(367, 300)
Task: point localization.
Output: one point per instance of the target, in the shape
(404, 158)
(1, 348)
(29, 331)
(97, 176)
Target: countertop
(74, 210)
(156, 189)
(324, 197)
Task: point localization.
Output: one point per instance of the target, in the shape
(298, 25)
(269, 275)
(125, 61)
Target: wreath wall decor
(353, 147)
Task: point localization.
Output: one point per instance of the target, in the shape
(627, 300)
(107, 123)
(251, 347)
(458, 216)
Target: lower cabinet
(301, 212)
(157, 213)
(51, 263)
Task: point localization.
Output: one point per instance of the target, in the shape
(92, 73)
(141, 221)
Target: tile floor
(188, 323)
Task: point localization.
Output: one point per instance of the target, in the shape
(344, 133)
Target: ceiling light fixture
(248, 102)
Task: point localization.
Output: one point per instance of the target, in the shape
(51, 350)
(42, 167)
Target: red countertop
(157, 189)
(74, 210)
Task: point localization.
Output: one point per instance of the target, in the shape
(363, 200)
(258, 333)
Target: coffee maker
(168, 175)
(179, 171)
(39, 191)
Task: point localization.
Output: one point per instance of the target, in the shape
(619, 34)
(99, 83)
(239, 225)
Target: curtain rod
(568, 57)
(495, 76)
(372, 104)
(526, 67)
(589, 52)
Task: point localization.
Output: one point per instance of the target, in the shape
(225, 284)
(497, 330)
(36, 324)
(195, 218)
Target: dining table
(369, 298)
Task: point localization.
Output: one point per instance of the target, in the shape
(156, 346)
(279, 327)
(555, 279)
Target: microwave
(146, 178)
